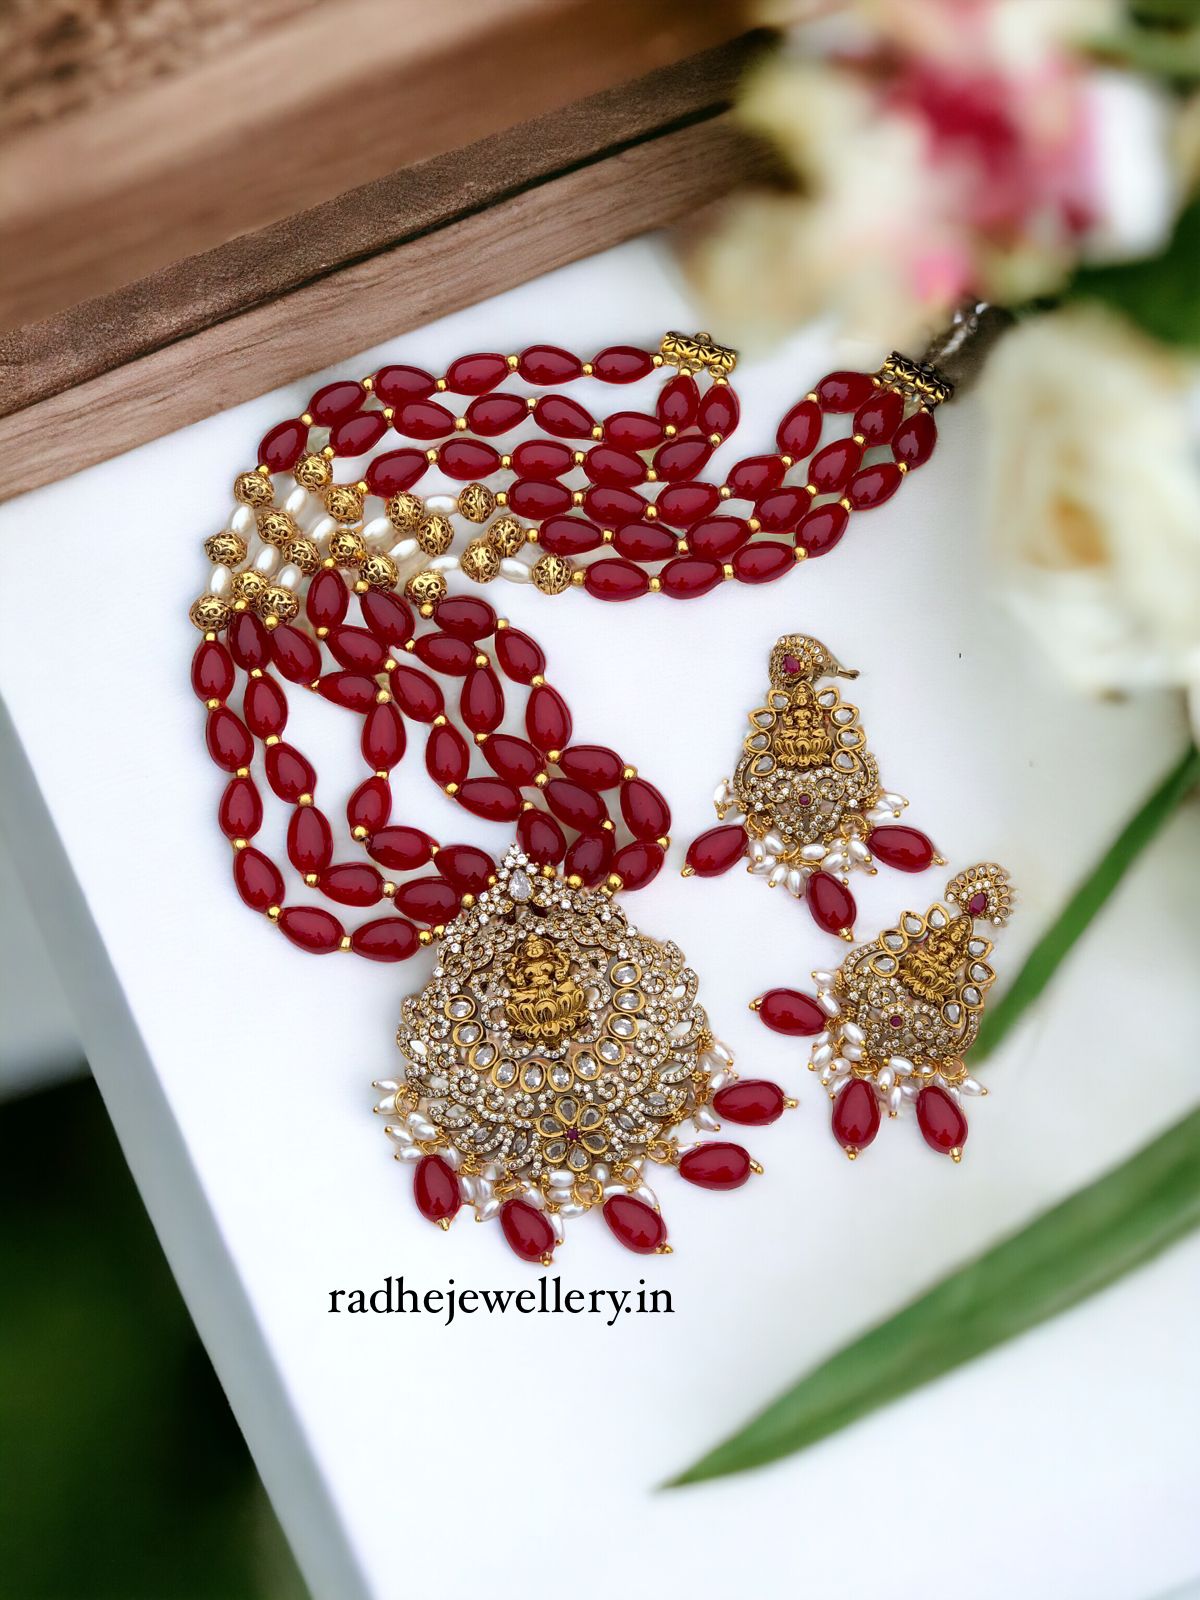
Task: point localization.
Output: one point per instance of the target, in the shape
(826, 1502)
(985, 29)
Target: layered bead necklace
(556, 1049)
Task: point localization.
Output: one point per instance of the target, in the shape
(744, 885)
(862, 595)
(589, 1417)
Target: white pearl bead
(647, 1195)
(829, 1004)
(886, 1078)
(323, 528)
(515, 571)
(443, 505)
(571, 1208)
(795, 881)
(852, 1031)
(557, 1227)
(267, 560)
(971, 1086)
(705, 1120)
(822, 1055)
(778, 875)
(376, 531)
(896, 1100)
(221, 581)
(409, 1152)
(812, 852)
(242, 521)
(466, 1188)
(489, 1209)
(774, 844)
(290, 576)
(824, 980)
(421, 1127)
(858, 850)
(900, 1065)
(896, 801)
(296, 503)
(403, 550)
(852, 1052)
(758, 849)
(561, 1180)
(444, 564)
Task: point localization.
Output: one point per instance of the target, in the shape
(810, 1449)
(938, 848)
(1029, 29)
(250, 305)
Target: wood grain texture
(334, 98)
(644, 187)
(83, 341)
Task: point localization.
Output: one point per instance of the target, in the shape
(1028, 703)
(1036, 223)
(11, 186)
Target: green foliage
(1161, 294)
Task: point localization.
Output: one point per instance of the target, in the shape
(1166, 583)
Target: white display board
(519, 1454)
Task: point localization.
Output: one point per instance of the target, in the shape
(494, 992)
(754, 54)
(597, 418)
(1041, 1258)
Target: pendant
(554, 1052)
(892, 1024)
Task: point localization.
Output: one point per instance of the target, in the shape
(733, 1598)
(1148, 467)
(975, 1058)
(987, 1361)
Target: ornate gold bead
(435, 535)
(209, 613)
(250, 586)
(279, 602)
(226, 549)
(275, 528)
(552, 574)
(312, 472)
(506, 535)
(426, 587)
(380, 571)
(480, 561)
(476, 502)
(405, 511)
(253, 489)
(347, 547)
(344, 502)
(302, 553)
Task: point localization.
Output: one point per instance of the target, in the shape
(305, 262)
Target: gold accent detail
(931, 969)
(249, 587)
(435, 535)
(279, 603)
(480, 561)
(302, 553)
(476, 502)
(552, 574)
(545, 1004)
(426, 587)
(252, 489)
(506, 535)
(346, 547)
(275, 528)
(696, 353)
(226, 549)
(404, 511)
(209, 613)
(379, 571)
(911, 378)
(344, 502)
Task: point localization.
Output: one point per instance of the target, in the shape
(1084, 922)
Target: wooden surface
(481, 253)
(325, 101)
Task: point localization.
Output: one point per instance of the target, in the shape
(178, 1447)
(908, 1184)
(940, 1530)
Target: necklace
(557, 1050)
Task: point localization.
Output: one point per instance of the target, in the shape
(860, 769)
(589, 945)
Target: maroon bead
(800, 429)
(683, 505)
(395, 385)
(637, 864)
(879, 418)
(592, 765)
(257, 879)
(465, 617)
(496, 414)
(942, 1124)
(569, 536)
(763, 562)
(356, 648)
(634, 1224)
(678, 402)
(309, 839)
(719, 411)
(755, 477)
(906, 849)
(353, 883)
(476, 374)
(622, 363)
(543, 460)
(754, 1102)
(388, 939)
(265, 707)
(467, 459)
(416, 693)
(717, 850)
(589, 858)
(447, 758)
(647, 815)
(821, 529)
(428, 900)
(547, 363)
(565, 418)
(520, 657)
(681, 458)
(617, 468)
(470, 870)
(388, 617)
(249, 641)
(401, 849)
(336, 401)
(845, 391)
(394, 471)
(370, 805)
(611, 507)
(295, 654)
(579, 808)
(782, 510)
(353, 691)
(716, 538)
(830, 902)
(527, 1230)
(645, 541)
(423, 419)
(481, 703)
(790, 1012)
(312, 929)
(212, 671)
(914, 440)
(540, 837)
(717, 1165)
(356, 435)
(383, 737)
(829, 470)
(240, 813)
(633, 430)
(688, 577)
(873, 485)
(444, 653)
(856, 1115)
(228, 739)
(435, 1186)
(613, 579)
(327, 601)
(548, 718)
(289, 773)
(283, 445)
(514, 760)
(491, 799)
(529, 498)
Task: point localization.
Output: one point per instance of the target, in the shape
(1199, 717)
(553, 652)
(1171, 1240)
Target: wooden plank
(80, 343)
(329, 100)
(647, 186)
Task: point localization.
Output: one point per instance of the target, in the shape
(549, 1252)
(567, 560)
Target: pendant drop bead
(714, 852)
(856, 1115)
(435, 1189)
(635, 1224)
(753, 1102)
(830, 903)
(789, 1012)
(718, 1165)
(941, 1121)
(527, 1230)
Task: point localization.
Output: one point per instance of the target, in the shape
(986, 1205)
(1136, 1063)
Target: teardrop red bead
(547, 363)
(830, 902)
(352, 883)
(476, 374)
(719, 411)
(821, 529)
(249, 641)
(496, 413)
(782, 510)
(540, 837)
(606, 464)
(548, 718)
(647, 814)
(515, 760)
(469, 869)
(563, 417)
(447, 759)
(387, 939)
(613, 579)
(435, 1189)
(383, 737)
(295, 654)
(756, 476)
(753, 1102)
(212, 671)
(683, 505)
(465, 616)
(905, 849)
(714, 852)
(481, 704)
(265, 707)
(335, 401)
(353, 691)
(423, 419)
(289, 773)
(370, 805)
(394, 385)
(428, 900)
(718, 1165)
(633, 430)
(788, 1011)
(354, 436)
(394, 471)
(579, 808)
(357, 649)
(637, 864)
(941, 1121)
(800, 429)
(763, 561)
(401, 848)
(914, 439)
(856, 1115)
(529, 498)
(678, 402)
(283, 445)
(521, 658)
(309, 840)
(490, 799)
(328, 600)
(592, 765)
(444, 653)
(612, 507)
(829, 470)
(416, 693)
(312, 929)
(257, 879)
(467, 459)
(543, 460)
(645, 541)
(590, 858)
(718, 537)
(688, 577)
(569, 536)
(635, 1224)
(878, 419)
(240, 813)
(845, 391)
(681, 458)
(387, 616)
(873, 485)
(527, 1230)
(622, 363)
(228, 739)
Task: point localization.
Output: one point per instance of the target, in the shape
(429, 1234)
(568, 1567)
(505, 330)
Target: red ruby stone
(683, 505)
(763, 562)
(714, 852)
(444, 653)
(782, 509)
(289, 773)
(249, 641)
(617, 580)
(548, 718)
(799, 430)
(257, 879)
(756, 476)
(845, 391)
(514, 760)
(476, 374)
(589, 858)
(633, 430)
(265, 707)
(465, 617)
(353, 883)
(416, 694)
(312, 928)
(295, 654)
(283, 445)
(569, 536)
(790, 1012)
(914, 440)
(466, 459)
(469, 869)
(977, 904)
(335, 401)
(395, 385)
(821, 529)
(388, 939)
(719, 410)
(547, 363)
(395, 471)
(521, 658)
(580, 808)
(718, 1165)
(423, 419)
(358, 649)
(622, 363)
(678, 402)
(645, 541)
(753, 1102)
(240, 813)
(530, 498)
(638, 864)
(831, 903)
(544, 460)
(688, 577)
(401, 848)
(228, 739)
(496, 413)
(328, 600)
(435, 1189)
(309, 840)
(611, 507)
(370, 805)
(856, 1115)
(647, 815)
(873, 485)
(481, 703)
(718, 537)
(829, 470)
(565, 418)
(681, 458)
(879, 418)
(906, 849)
(447, 759)
(353, 691)
(527, 1230)
(490, 799)
(608, 465)
(212, 671)
(635, 1224)
(592, 765)
(383, 738)
(428, 900)
(356, 435)
(942, 1124)
(540, 837)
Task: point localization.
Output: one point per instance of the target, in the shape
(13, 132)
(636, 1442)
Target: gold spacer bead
(681, 547)
(501, 497)
(383, 698)
(542, 779)
(753, 524)
(810, 488)
(628, 772)
(468, 900)
(389, 413)
(361, 586)
(536, 681)
(651, 475)
(440, 385)
(728, 570)
(271, 739)
(451, 789)
(513, 362)
(588, 369)
(460, 424)
(274, 913)
(859, 438)
(312, 879)
(344, 942)
(607, 826)
(670, 430)
(656, 361)
(305, 799)
(608, 536)
(212, 705)
(360, 833)
(388, 889)
(431, 456)
(481, 738)
(574, 881)
(597, 432)
(424, 937)
(531, 402)
(788, 461)
(239, 844)
(650, 513)
(845, 504)
(902, 466)
(439, 721)
(576, 497)
(714, 438)
(578, 579)
(306, 418)
(655, 585)
(725, 491)
(801, 553)
(242, 772)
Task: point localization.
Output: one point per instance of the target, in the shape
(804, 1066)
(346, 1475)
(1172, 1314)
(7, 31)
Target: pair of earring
(891, 1025)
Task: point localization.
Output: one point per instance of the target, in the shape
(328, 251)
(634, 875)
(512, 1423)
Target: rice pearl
(828, 1004)
(557, 1227)
(289, 576)
(297, 503)
(515, 571)
(376, 531)
(705, 1121)
(221, 581)
(895, 1101)
(410, 1152)
(404, 550)
(242, 521)
(442, 505)
(812, 852)
(774, 844)
(777, 875)
(266, 560)
(489, 1209)
(444, 564)
(795, 882)
(322, 528)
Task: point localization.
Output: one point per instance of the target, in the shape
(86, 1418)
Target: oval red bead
(682, 505)
(240, 813)
(608, 465)
(249, 641)
(829, 470)
(309, 839)
(496, 414)
(635, 1224)
(855, 1119)
(830, 902)
(435, 1189)
(782, 510)
(717, 850)
(395, 470)
(383, 737)
(476, 374)
(328, 600)
(578, 807)
(753, 1102)
(678, 402)
(481, 703)
(515, 760)
(845, 391)
(491, 799)
(611, 507)
(289, 773)
(401, 848)
(633, 430)
(547, 718)
(466, 867)
(821, 529)
(529, 498)
(563, 417)
(873, 485)
(388, 939)
(423, 419)
(590, 857)
(527, 1230)
(295, 654)
(718, 1165)
(466, 459)
(416, 694)
(763, 562)
(800, 429)
(647, 814)
(353, 883)
(447, 758)
(353, 691)
(906, 849)
(879, 418)
(719, 410)
(941, 1121)
(688, 577)
(645, 541)
(540, 837)
(265, 707)
(718, 537)
(335, 401)
(354, 436)
(622, 363)
(637, 864)
(428, 900)
(617, 580)
(370, 805)
(465, 617)
(592, 765)
(681, 458)
(790, 1012)
(756, 476)
(356, 648)
(387, 616)
(444, 653)
(283, 445)
(212, 671)
(313, 929)
(569, 536)
(520, 657)
(395, 385)
(542, 459)
(257, 879)
(228, 739)
(547, 363)
(914, 440)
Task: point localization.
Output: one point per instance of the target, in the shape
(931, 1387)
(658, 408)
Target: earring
(892, 1024)
(806, 795)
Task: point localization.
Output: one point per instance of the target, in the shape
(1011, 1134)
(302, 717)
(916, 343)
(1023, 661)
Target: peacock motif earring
(805, 803)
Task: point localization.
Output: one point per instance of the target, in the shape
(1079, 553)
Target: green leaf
(1114, 1225)
(1088, 900)
(1159, 293)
